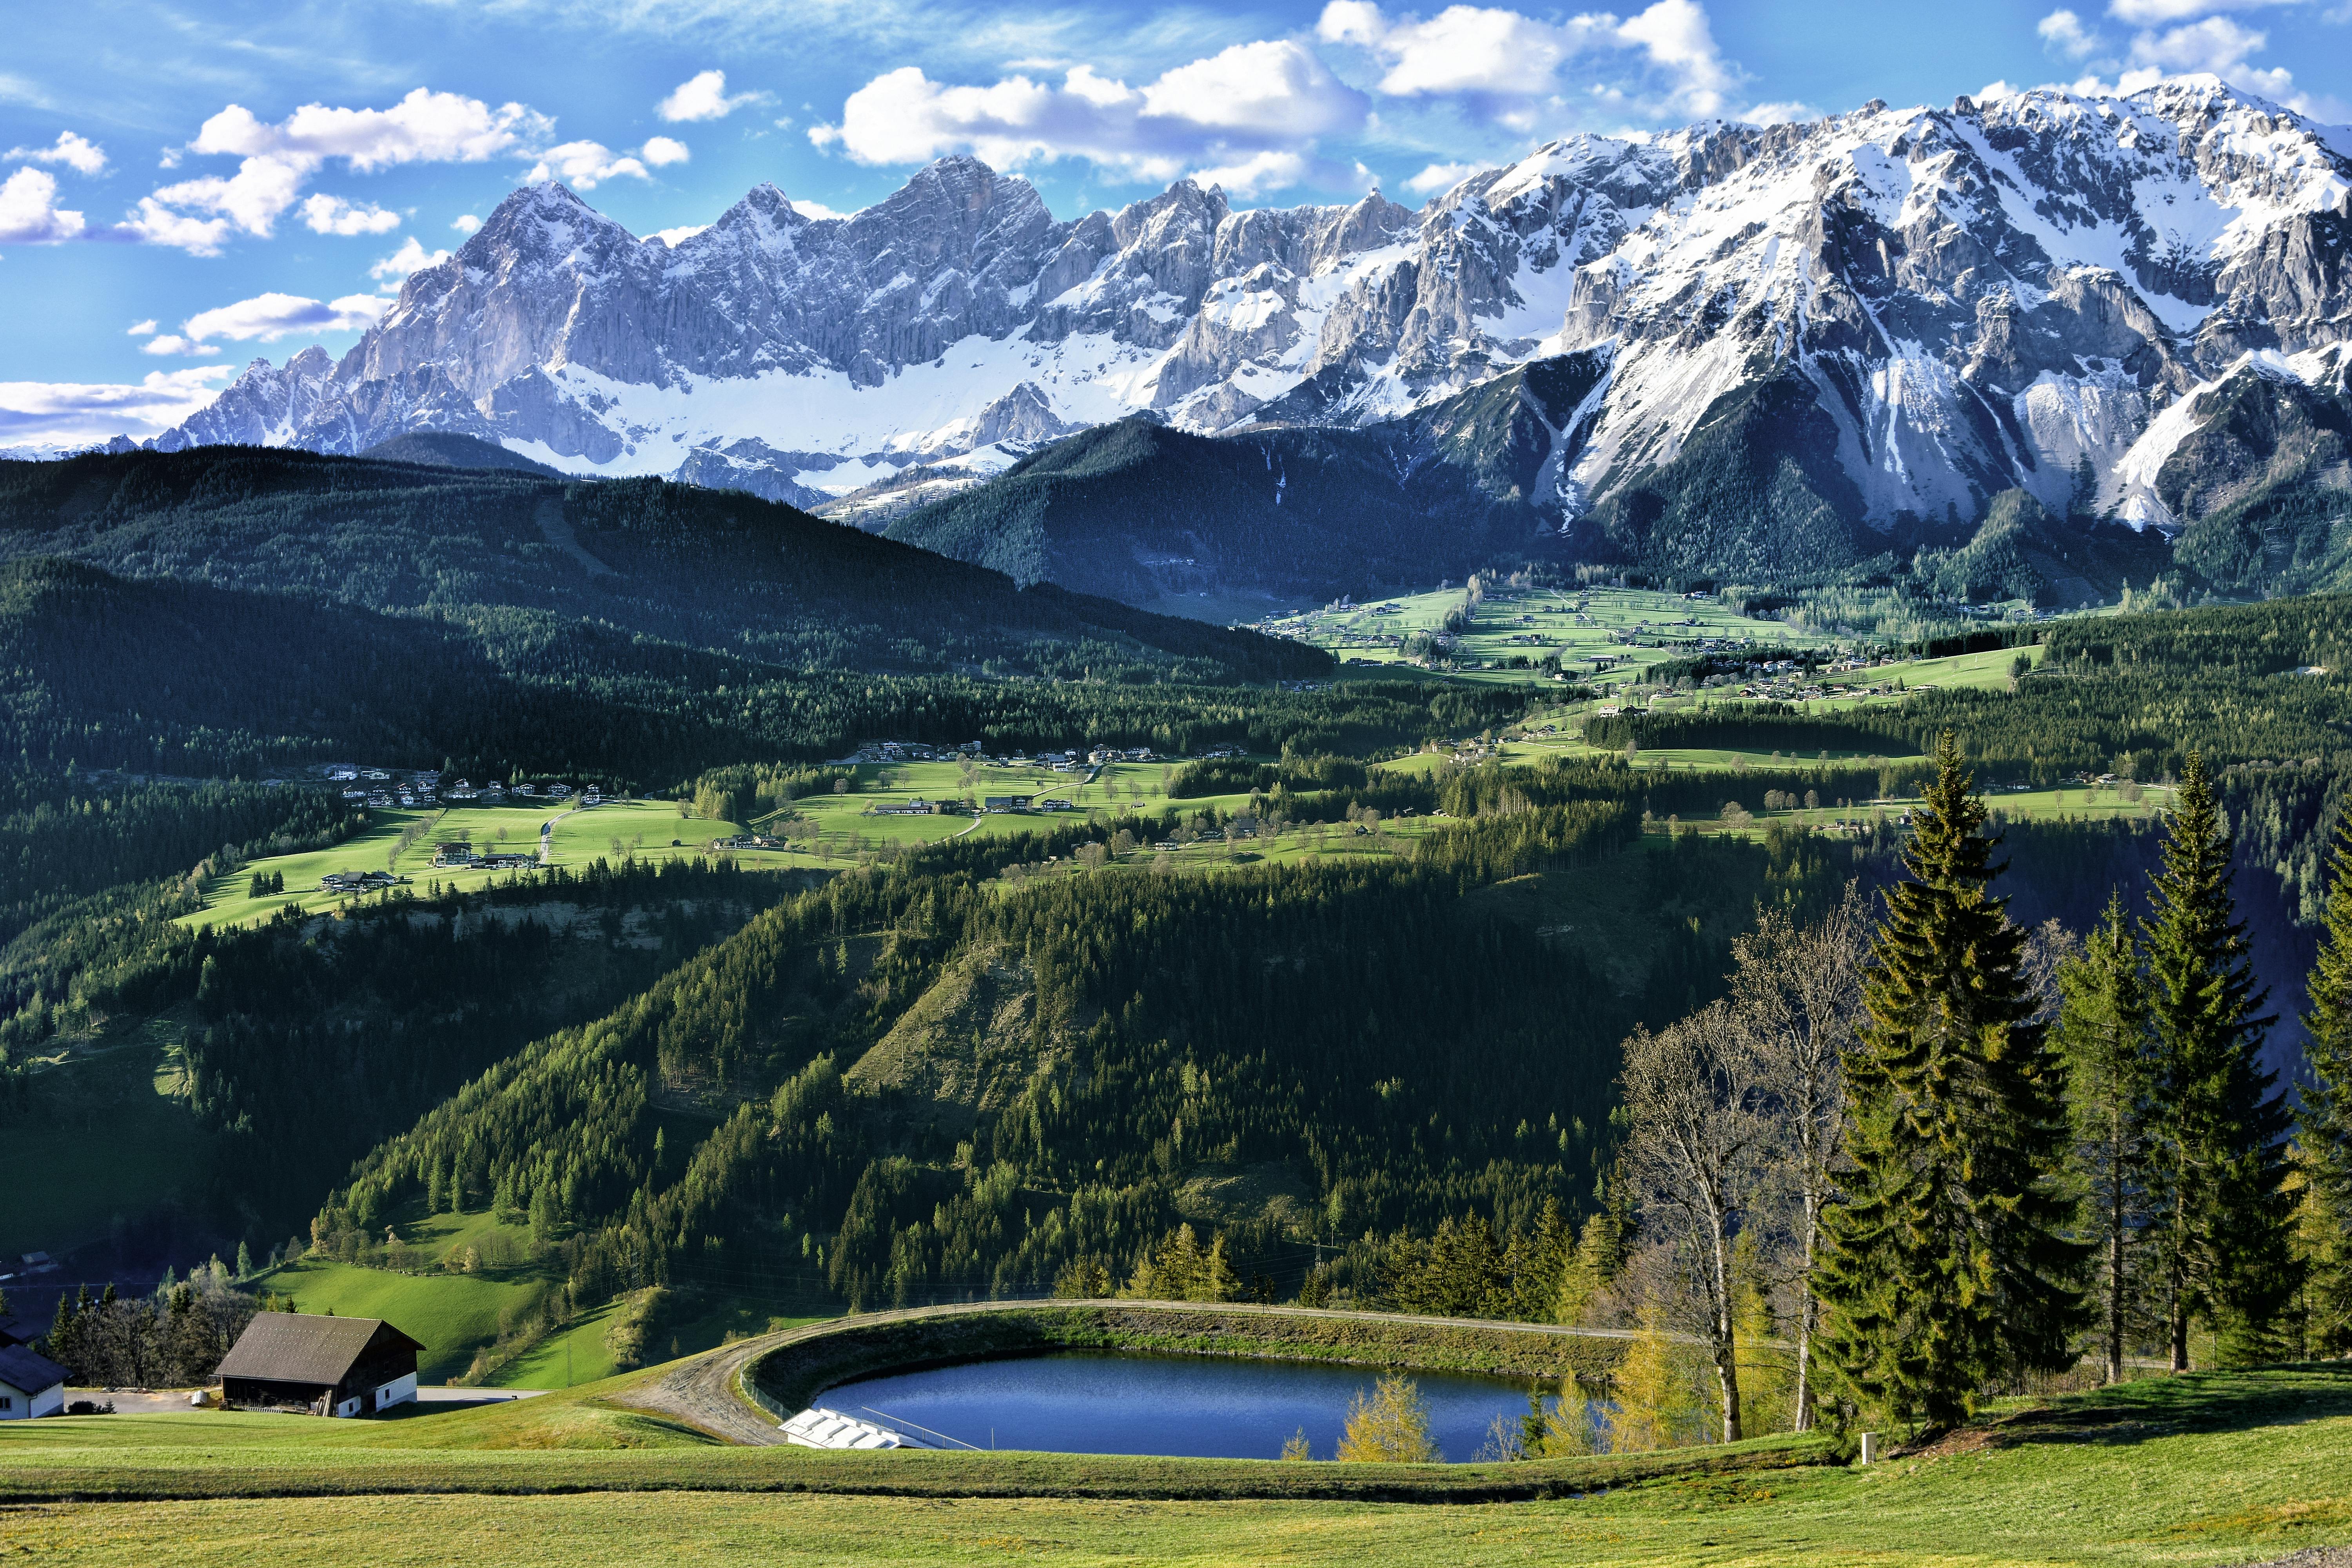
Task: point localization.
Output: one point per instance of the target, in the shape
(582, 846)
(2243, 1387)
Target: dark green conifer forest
(1366, 1009)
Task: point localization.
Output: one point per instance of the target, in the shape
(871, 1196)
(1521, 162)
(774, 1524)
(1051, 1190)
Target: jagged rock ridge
(2036, 292)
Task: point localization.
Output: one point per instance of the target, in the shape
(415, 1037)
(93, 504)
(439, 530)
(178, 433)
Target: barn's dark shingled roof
(296, 1347)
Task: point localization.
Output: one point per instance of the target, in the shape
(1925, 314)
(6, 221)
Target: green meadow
(1639, 626)
(2208, 1469)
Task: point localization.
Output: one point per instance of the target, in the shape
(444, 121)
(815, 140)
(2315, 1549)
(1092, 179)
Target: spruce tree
(2326, 1120)
(2102, 1032)
(2219, 1168)
(1948, 1261)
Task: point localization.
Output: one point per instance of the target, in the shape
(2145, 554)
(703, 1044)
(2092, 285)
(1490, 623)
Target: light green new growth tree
(1391, 1426)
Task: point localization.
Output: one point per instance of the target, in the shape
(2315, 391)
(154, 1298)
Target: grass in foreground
(2212, 1468)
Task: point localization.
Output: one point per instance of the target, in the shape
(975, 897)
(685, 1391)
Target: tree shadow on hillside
(2165, 1407)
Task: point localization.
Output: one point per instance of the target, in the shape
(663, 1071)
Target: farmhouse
(918, 806)
(326, 1366)
(1004, 803)
(30, 1383)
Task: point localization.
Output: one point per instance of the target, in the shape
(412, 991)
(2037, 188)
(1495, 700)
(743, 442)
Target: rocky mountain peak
(1966, 300)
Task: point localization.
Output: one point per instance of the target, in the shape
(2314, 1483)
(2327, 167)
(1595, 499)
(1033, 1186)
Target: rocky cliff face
(2036, 292)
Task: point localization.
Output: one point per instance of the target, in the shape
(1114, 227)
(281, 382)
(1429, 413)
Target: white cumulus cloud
(173, 343)
(1256, 174)
(333, 215)
(83, 157)
(465, 223)
(426, 127)
(663, 150)
(30, 214)
(1250, 112)
(2216, 44)
(1440, 177)
(585, 165)
(674, 238)
(703, 96)
(278, 160)
(818, 210)
(2064, 33)
(1663, 60)
(142, 329)
(393, 270)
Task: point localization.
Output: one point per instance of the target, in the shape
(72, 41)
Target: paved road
(547, 832)
(455, 1398)
(700, 1391)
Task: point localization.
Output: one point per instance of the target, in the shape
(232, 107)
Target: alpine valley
(1762, 352)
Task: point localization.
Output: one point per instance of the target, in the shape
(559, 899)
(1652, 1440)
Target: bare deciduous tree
(1691, 1097)
(1797, 994)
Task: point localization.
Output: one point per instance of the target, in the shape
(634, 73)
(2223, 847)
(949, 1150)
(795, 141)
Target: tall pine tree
(2219, 1166)
(2327, 1110)
(2102, 1032)
(1948, 1261)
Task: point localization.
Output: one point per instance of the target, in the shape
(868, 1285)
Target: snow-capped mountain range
(1983, 297)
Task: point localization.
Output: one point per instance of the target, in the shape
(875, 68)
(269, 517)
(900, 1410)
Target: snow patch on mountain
(1992, 295)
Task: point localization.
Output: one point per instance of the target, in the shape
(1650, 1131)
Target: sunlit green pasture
(2210, 1469)
(1637, 626)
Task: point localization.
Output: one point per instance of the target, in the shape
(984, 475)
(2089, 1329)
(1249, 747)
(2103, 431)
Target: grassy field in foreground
(2211, 1468)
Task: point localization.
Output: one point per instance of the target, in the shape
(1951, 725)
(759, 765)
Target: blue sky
(186, 186)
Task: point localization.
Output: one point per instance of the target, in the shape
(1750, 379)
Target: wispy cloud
(265, 318)
(57, 413)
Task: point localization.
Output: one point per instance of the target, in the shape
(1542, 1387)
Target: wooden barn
(326, 1366)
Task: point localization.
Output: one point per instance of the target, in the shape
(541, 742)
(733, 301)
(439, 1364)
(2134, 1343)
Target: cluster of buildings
(383, 788)
(461, 856)
(357, 881)
(1016, 803)
(1075, 760)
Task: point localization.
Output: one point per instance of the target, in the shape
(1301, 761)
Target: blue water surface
(1101, 1402)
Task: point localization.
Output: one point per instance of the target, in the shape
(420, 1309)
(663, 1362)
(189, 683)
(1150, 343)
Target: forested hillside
(931, 1087)
(1141, 512)
(185, 678)
(705, 569)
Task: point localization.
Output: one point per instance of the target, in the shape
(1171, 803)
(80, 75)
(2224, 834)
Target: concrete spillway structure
(817, 1428)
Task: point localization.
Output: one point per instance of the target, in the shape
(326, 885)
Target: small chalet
(30, 1383)
(326, 1366)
